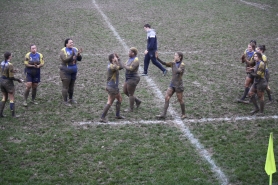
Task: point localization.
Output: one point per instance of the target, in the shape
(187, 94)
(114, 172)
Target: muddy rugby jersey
(132, 66)
(67, 58)
(33, 59)
(7, 70)
(259, 70)
(177, 72)
(113, 75)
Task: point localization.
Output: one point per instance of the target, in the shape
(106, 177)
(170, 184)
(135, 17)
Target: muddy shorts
(112, 90)
(250, 76)
(33, 78)
(133, 81)
(178, 87)
(260, 85)
(267, 75)
(7, 86)
(64, 75)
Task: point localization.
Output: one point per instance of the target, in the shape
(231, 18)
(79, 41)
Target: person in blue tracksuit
(150, 51)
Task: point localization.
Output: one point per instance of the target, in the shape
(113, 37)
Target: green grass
(47, 146)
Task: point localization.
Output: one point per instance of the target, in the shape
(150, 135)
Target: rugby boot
(103, 120)
(137, 102)
(254, 101)
(165, 72)
(2, 106)
(183, 111)
(105, 110)
(65, 103)
(72, 101)
(163, 115)
(118, 108)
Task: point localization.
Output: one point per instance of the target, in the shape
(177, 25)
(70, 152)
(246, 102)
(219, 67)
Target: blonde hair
(134, 50)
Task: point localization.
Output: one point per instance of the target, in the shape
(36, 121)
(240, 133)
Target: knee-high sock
(2, 106)
(261, 106)
(166, 105)
(245, 93)
(268, 91)
(65, 89)
(182, 108)
(26, 94)
(131, 102)
(105, 110)
(118, 108)
(12, 107)
(71, 89)
(254, 101)
(34, 93)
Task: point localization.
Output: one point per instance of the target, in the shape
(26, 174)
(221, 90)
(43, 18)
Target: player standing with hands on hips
(150, 51)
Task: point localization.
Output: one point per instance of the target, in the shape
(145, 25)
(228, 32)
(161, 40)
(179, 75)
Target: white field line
(195, 142)
(162, 53)
(263, 7)
(150, 122)
(247, 118)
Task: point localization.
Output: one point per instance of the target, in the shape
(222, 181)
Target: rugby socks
(254, 101)
(182, 108)
(245, 93)
(131, 103)
(166, 105)
(268, 91)
(26, 94)
(118, 108)
(105, 110)
(138, 102)
(2, 106)
(262, 106)
(34, 93)
(65, 94)
(12, 107)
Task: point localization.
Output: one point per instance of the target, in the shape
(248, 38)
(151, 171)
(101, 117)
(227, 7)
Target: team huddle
(256, 81)
(257, 78)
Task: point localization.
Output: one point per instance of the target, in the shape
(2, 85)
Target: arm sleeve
(26, 60)
(168, 64)
(11, 73)
(114, 67)
(133, 66)
(181, 68)
(41, 60)
(64, 58)
(78, 57)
